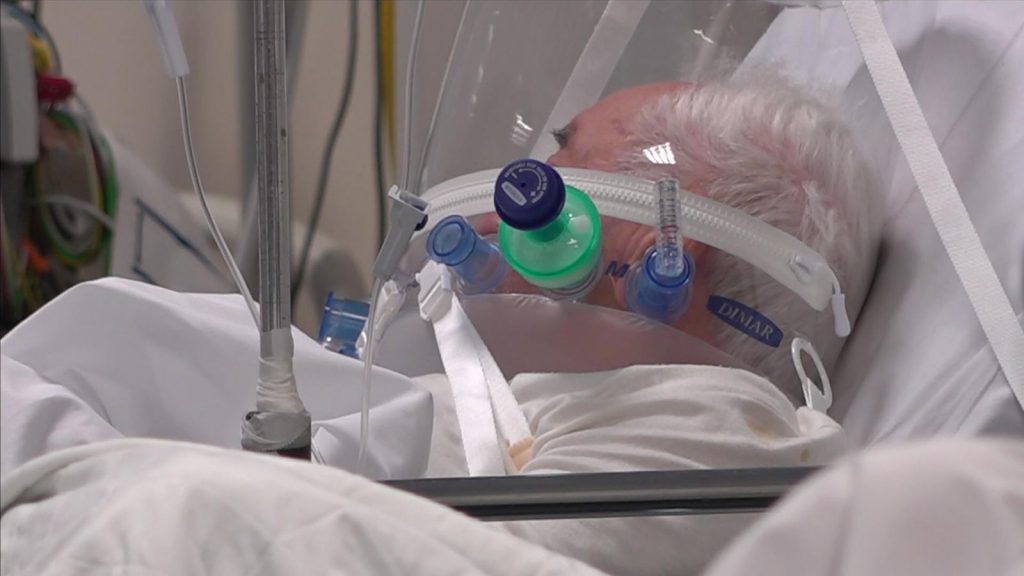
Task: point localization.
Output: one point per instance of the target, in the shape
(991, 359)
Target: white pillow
(917, 364)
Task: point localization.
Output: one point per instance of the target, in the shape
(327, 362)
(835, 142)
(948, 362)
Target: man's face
(596, 139)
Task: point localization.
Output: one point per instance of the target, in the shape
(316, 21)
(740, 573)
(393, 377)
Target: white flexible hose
(197, 184)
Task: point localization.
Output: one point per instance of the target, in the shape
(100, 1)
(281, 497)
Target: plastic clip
(816, 399)
(435, 298)
(408, 214)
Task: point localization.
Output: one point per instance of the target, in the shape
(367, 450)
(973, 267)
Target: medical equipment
(475, 260)
(468, 195)
(280, 422)
(550, 233)
(660, 284)
(342, 323)
(436, 301)
(611, 494)
(60, 184)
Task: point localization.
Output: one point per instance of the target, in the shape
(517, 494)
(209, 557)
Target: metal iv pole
(280, 422)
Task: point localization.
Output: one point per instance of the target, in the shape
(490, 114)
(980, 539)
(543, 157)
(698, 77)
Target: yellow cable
(386, 37)
(42, 60)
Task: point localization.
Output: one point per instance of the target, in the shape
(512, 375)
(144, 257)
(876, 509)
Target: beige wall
(108, 48)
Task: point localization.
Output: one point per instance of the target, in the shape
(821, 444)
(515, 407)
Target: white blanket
(116, 358)
(941, 508)
(147, 362)
(157, 507)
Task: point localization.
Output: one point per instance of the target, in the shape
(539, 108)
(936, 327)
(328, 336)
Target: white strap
(495, 433)
(940, 194)
(594, 68)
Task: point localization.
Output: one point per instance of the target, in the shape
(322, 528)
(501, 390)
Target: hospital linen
(160, 507)
(647, 418)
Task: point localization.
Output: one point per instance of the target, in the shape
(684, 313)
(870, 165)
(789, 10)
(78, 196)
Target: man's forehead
(627, 102)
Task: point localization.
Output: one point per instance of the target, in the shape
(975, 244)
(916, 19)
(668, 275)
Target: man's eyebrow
(564, 134)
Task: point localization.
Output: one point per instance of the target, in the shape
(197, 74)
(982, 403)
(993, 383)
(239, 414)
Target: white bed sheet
(950, 507)
(157, 507)
(917, 364)
(117, 358)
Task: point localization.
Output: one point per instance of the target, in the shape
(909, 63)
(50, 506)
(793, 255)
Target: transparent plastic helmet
(654, 165)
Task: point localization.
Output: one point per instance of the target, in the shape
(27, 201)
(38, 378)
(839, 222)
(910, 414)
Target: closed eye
(563, 135)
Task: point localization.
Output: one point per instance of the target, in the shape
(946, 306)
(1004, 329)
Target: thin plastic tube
(410, 77)
(364, 415)
(668, 260)
(197, 184)
(364, 411)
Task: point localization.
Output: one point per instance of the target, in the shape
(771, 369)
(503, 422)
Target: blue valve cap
(528, 194)
(342, 323)
(658, 297)
(451, 241)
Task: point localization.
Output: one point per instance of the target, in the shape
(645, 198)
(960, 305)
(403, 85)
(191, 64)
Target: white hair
(762, 145)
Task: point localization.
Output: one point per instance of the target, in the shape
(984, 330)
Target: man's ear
(695, 249)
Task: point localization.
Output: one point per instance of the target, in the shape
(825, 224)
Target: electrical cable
(387, 39)
(72, 251)
(108, 180)
(81, 206)
(14, 287)
(193, 172)
(332, 140)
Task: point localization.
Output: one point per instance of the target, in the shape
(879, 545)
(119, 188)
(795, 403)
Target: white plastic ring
(816, 399)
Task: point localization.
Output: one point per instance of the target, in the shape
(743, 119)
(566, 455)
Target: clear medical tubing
(476, 262)
(364, 410)
(659, 286)
(668, 259)
(176, 65)
(781, 256)
(197, 184)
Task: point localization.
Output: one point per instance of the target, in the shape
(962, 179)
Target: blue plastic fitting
(476, 262)
(342, 323)
(658, 297)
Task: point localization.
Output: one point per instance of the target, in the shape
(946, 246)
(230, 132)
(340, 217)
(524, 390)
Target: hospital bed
(918, 364)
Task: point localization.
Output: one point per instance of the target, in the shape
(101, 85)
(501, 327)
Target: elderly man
(604, 393)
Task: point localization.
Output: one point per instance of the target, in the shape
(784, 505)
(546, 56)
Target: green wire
(110, 194)
(67, 254)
